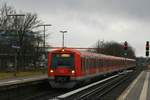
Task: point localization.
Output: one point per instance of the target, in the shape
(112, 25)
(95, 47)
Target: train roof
(65, 50)
(90, 54)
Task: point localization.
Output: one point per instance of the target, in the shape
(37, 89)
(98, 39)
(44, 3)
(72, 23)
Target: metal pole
(44, 25)
(16, 56)
(15, 64)
(44, 54)
(63, 40)
(44, 37)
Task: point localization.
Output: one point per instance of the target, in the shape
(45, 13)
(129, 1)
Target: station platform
(139, 89)
(20, 80)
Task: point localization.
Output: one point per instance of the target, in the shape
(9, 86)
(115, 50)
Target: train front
(61, 68)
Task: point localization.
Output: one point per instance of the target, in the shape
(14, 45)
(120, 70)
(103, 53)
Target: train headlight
(63, 50)
(51, 71)
(72, 71)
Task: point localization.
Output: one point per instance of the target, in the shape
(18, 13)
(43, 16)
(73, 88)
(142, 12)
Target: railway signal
(125, 45)
(147, 53)
(147, 45)
(125, 48)
(147, 48)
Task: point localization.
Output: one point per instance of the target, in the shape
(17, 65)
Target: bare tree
(4, 10)
(113, 48)
(20, 31)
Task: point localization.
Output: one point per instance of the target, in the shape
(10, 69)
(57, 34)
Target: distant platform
(20, 80)
(139, 89)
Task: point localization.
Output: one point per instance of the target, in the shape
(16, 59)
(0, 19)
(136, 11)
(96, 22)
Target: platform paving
(139, 89)
(19, 80)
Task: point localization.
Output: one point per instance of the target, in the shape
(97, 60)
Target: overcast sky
(90, 20)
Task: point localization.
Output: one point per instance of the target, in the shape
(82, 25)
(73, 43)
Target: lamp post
(16, 17)
(44, 25)
(16, 61)
(63, 38)
(16, 47)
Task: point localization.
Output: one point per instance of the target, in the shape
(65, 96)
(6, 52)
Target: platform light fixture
(44, 25)
(63, 37)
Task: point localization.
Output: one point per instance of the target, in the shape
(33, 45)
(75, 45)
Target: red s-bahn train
(68, 67)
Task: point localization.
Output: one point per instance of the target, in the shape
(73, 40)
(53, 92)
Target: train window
(101, 62)
(92, 62)
(82, 63)
(98, 62)
(62, 60)
(95, 62)
(105, 63)
(87, 63)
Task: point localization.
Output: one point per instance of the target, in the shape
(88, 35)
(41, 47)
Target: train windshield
(62, 60)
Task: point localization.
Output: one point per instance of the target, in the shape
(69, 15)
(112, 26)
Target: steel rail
(99, 90)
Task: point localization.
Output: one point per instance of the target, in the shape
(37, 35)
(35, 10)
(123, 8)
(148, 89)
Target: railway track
(45, 95)
(42, 91)
(107, 89)
(102, 89)
(95, 90)
(51, 93)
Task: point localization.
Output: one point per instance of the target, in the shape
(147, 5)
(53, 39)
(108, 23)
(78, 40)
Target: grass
(6, 75)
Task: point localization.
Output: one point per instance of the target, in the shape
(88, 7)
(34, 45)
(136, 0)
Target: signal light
(147, 45)
(147, 48)
(147, 53)
(125, 45)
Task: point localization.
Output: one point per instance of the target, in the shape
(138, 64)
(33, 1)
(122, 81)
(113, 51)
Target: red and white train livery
(67, 67)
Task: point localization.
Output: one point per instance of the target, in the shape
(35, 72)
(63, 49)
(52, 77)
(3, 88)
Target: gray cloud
(90, 20)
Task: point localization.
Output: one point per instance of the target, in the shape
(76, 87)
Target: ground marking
(126, 92)
(143, 95)
(82, 88)
(12, 81)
